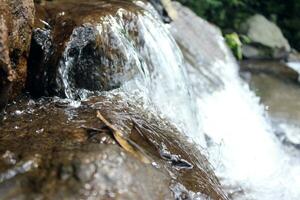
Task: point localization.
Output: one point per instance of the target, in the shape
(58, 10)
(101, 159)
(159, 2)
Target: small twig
(124, 142)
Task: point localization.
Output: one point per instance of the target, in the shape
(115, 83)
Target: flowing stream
(240, 141)
(244, 148)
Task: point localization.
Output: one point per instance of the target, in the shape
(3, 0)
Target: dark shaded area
(157, 4)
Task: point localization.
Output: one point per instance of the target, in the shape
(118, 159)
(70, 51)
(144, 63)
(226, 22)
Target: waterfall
(202, 94)
(139, 43)
(244, 148)
(242, 145)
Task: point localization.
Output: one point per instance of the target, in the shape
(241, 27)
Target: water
(210, 99)
(295, 66)
(244, 149)
(151, 54)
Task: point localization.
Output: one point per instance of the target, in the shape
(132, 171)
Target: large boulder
(71, 153)
(267, 40)
(16, 22)
(203, 47)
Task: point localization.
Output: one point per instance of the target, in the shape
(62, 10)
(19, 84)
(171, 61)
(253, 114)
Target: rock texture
(106, 147)
(70, 154)
(267, 40)
(80, 45)
(16, 22)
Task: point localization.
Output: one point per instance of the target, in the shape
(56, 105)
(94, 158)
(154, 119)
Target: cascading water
(242, 146)
(247, 152)
(147, 50)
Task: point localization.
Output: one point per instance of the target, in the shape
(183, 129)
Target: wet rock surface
(105, 147)
(273, 91)
(75, 45)
(274, 68)
(51, 149)
(16, 22)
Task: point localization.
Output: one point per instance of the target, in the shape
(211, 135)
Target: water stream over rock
(123, 55)
(175, 95)
(126, 47)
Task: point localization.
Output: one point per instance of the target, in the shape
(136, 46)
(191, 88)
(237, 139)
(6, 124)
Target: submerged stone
(70, 153)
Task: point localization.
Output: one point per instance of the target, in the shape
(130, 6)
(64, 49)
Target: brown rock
(16, 22)
(75, 47)
(70, 154)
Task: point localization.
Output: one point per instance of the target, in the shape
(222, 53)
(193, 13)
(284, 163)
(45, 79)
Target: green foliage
(224, 13)
(234, 43)
(229, 14)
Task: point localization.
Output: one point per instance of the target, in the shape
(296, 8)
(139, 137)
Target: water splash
(142, 46)
(242, 145)
(249, 153)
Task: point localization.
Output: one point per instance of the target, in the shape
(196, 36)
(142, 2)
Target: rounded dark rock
(75, 47)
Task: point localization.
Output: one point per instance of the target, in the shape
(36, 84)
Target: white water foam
(154, 54)
(245, 151)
